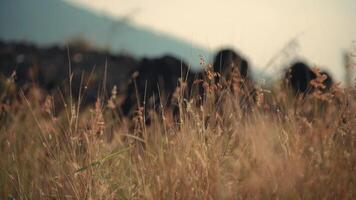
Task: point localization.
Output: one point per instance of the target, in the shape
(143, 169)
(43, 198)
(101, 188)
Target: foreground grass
(281, 148)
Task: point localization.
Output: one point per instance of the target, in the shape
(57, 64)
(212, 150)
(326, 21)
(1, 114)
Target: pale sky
(257, 28)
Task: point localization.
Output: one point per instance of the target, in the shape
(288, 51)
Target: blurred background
(269, 33)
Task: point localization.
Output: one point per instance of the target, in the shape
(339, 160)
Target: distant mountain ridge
(48, 22)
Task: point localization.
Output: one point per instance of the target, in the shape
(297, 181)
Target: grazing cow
(48, 68)
(227, 61)
(99, 69)
(18, 61)
(153, 84)
(195, 86)
(328, 82)
(300, 75)
(234, 70)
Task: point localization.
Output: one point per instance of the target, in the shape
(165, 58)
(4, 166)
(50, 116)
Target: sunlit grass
(282, 147)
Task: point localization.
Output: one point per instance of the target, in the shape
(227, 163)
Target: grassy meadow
(280, 148)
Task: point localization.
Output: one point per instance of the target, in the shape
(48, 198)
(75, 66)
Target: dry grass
(283, 148)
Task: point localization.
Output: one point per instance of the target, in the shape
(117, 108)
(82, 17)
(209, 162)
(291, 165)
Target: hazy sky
(258, 28)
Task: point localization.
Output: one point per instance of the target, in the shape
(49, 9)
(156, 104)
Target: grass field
(281, 148)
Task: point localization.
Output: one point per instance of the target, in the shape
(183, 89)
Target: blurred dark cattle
(48, 68)
(94, 73)
(300, 75)
(227, 61)
(233, 71)
(195, 86)
(329, 81)
(152, 85)
(18, 58)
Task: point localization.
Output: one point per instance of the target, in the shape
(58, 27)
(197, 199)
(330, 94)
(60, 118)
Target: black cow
(48, 68)
(300, 75)
(101, 72)
(153, 84)
(233, 69)
(227, 61)
(328, 82)
(18, 61)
